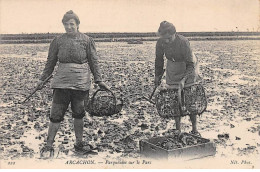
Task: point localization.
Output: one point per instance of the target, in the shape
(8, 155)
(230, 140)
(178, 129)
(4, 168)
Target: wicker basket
(193, 100)
(104, 104)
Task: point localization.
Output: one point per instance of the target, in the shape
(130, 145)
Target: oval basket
(104, 105)
(193, 98)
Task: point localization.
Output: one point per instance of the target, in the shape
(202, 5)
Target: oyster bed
(179, 140)
(230, 72)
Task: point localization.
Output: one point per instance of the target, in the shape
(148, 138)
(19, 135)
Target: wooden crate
(149, 149)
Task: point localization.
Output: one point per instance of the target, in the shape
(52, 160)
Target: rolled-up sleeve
(190, 64)
(159, 61)
(51, 60)
(93, 60)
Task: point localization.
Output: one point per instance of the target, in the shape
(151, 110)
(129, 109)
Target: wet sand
(229, 69)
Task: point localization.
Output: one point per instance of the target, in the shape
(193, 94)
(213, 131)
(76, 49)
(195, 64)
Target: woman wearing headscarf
(76, 55)
(181, 67)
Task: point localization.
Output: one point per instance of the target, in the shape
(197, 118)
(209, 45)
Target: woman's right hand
(103, 86)
(39, 85)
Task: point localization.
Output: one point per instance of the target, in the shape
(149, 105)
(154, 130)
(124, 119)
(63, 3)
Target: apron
(72, 76)
(175, 71)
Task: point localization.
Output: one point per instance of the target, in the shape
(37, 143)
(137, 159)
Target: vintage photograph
(129, 84)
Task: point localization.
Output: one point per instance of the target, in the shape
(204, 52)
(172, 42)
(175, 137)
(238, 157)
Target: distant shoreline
(127, 37)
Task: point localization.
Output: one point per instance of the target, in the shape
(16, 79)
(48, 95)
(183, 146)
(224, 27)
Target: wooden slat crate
(149, 149)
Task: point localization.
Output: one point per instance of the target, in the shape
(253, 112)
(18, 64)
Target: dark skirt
(193, 100)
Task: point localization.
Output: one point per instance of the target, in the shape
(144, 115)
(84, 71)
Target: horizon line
(135, 32)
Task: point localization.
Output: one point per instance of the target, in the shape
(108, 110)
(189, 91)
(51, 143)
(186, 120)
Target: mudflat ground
(230, 72)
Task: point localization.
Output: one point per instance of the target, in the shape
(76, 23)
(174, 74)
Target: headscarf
(70, 15)
(166, 27)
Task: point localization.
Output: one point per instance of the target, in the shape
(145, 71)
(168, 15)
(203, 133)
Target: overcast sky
(41, 16)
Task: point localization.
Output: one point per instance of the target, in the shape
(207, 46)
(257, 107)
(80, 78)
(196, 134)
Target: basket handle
(92, 99)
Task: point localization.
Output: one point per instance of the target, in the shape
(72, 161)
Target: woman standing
(77, 57)
(181, 66)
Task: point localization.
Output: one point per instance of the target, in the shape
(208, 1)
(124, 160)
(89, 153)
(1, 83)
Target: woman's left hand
(181, 83)
(103, 86)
